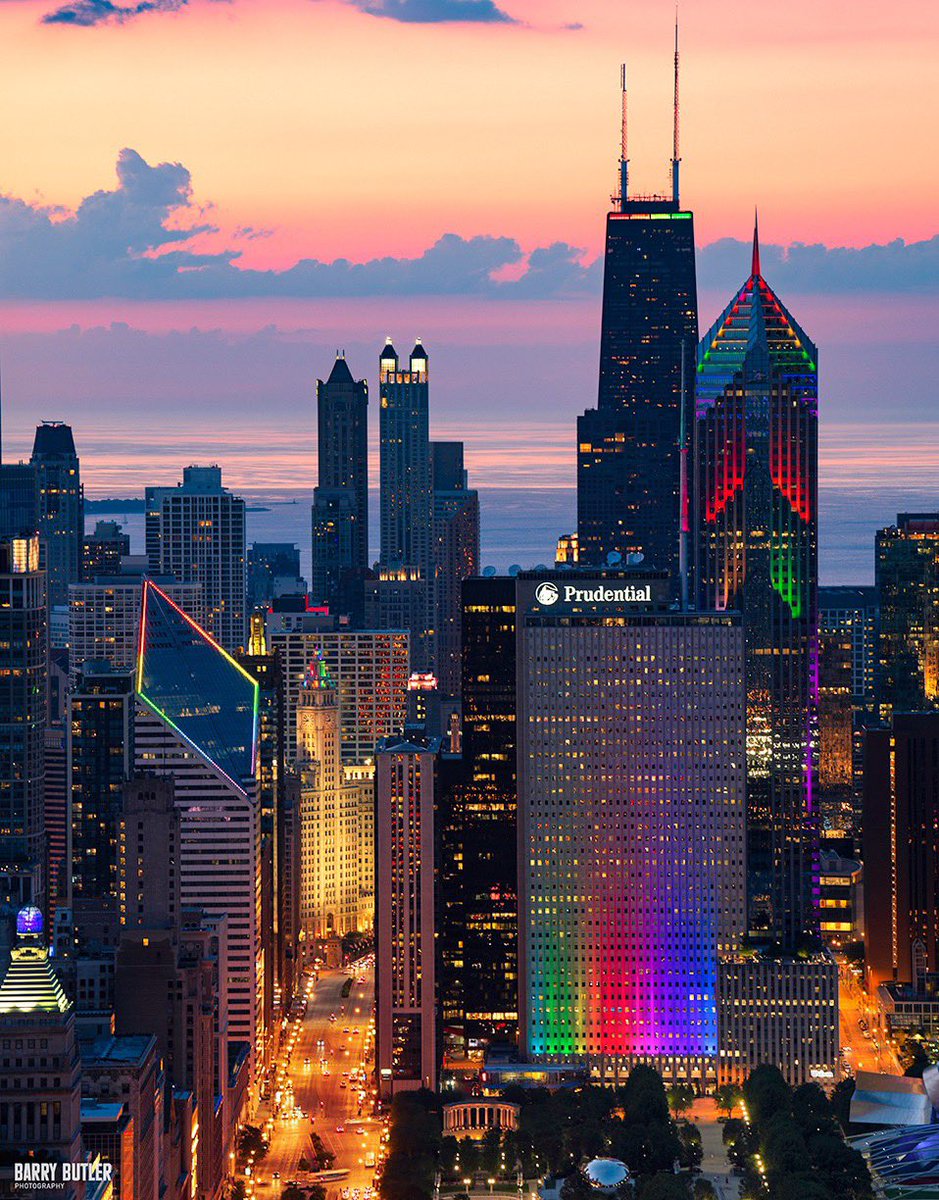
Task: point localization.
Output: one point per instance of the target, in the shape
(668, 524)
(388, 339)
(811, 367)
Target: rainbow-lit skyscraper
(757, 482)
(631, 798)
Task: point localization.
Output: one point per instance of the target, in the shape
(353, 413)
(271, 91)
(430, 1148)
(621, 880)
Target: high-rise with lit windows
(197, 722)
(632, 448)
(340, 500)
(631, 801)
(906, 571)
(195, 533)
(60, 506)
(757, 491)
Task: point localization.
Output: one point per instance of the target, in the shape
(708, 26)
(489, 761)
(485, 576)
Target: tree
(841, 1102)
(316, 1192)
(766, 1093)
(680, 1098)
(704, 1190)
(728, 1096)
(238, 1190)
(666, 1186)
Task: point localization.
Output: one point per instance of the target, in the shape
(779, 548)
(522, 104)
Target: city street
(864, 1050)
(332, 1042)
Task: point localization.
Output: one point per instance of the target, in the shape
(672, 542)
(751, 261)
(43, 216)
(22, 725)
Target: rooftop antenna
(624, 146)
(676, 158)
(755, 261)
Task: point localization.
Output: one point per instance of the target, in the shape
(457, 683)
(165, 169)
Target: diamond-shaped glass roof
(754, 319)
(194, 685)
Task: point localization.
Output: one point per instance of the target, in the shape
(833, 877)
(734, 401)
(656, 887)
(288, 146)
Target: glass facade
(630, 448)
(757, 482)
(194, 685)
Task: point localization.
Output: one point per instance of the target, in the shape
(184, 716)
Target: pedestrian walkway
(715, 1165)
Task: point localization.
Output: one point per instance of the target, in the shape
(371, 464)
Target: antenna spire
(755, 262)
(676, 157)
(624, 144)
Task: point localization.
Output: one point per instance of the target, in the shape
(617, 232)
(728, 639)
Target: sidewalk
(715, 1165)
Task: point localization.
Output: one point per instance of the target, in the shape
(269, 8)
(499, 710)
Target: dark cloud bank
(120, 243)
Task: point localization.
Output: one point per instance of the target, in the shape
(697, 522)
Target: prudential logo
(546, 593)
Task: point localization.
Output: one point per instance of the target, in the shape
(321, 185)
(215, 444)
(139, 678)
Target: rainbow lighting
(757, 426)
(189, 681)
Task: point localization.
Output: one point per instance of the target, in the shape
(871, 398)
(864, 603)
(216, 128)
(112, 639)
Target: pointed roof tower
(754, 322)
(755, 260)
(340, 372)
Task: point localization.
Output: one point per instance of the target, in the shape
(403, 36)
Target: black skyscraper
(61, 507)
(630, 469)
(340, 501)
(477, 902)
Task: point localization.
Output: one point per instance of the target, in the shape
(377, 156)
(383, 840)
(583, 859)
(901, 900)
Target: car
(347, 1030)
(340, 1129)
(276, 1175)
(306, 1062)
(342, 1083)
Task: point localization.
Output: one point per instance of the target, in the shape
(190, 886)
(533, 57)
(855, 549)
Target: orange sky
(348, 135)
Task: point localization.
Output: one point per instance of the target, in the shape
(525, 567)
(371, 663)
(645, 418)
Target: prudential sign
(549, 593)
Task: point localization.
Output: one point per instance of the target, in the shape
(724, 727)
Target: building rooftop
(30, 985)
(127, 1050)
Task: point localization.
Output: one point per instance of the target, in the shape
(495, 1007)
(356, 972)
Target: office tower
(631, 805)
(477, 904)
(273, 570)
(272, 773)
(108, 1131)
(369, 668)
(55, 813)
(848, 620)
(100, 760)
(632, 448)
(127, 1070)
(19, 507)
(103, 550)
(456, 555)
(340, 500)
(405, 973)
(39, 1020)
(171, 978)
(104, 618)
(901, 858)
(197, 721)
(61, 507)
(757, 470)
(407, 499)
(781, 1010)
(22, 721)
(336, 875)
(906, 573)
(196, 534)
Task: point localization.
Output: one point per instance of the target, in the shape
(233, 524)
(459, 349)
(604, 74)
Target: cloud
(432, 12)
(137, 242)
(898, 266)
(87, 13)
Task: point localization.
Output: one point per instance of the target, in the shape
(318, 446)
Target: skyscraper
(456, 555)
(196, 533)
(631, 802)
(35, 1012)
(757, 482)
(369, 668)
(340, 500)
(405, 1020)
(100, 758)
(906, 571)
(197, 721)
(901, 857)
(407, 500)
(336, 875)
(477, 904)
(22, 721)
(104, 618)
(61, 506)
(103, 550)
(632, 448)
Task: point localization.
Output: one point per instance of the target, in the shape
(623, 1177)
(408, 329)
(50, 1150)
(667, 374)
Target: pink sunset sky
(166, 165)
